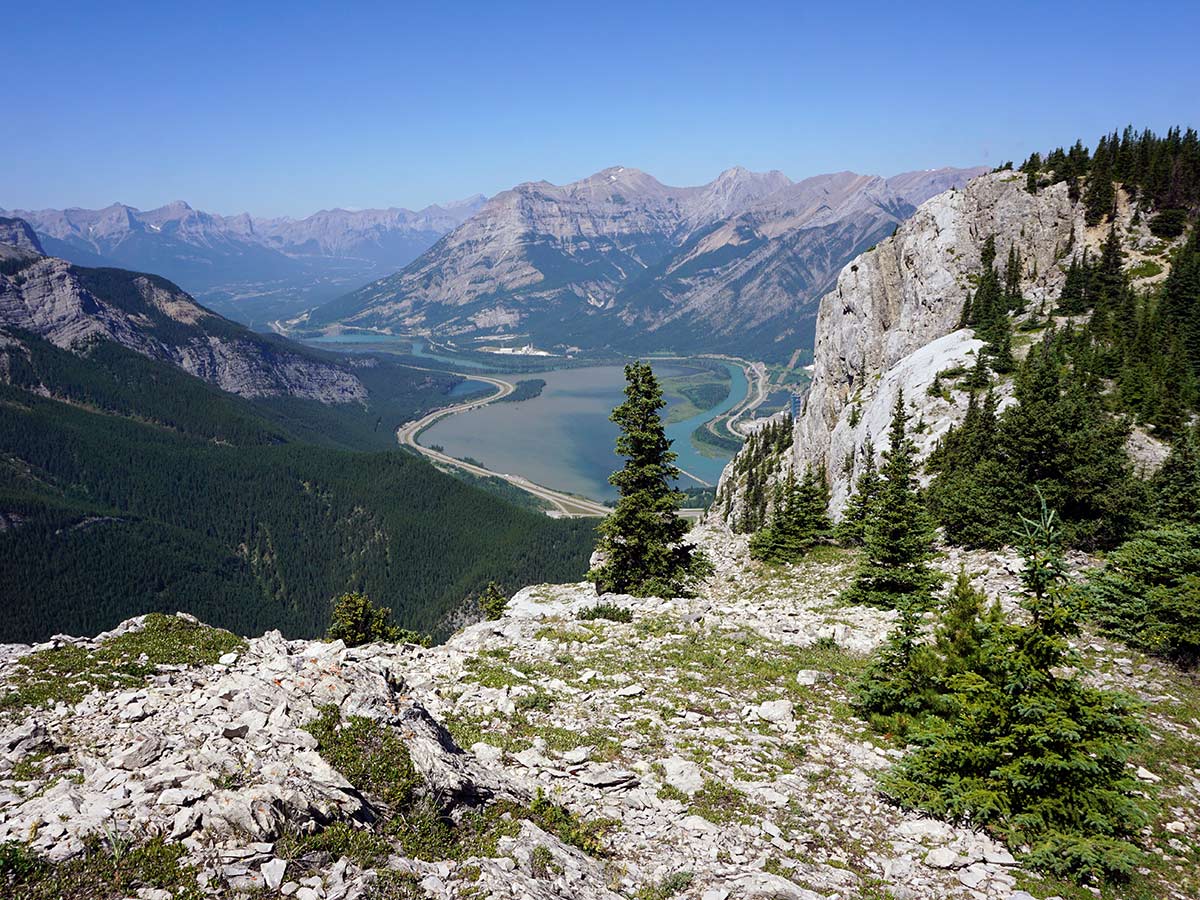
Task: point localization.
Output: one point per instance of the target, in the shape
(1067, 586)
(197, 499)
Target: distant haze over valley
(250, 268)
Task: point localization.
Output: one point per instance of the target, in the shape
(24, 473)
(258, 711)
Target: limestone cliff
(891, 321)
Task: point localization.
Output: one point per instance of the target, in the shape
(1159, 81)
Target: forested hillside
(128, 486)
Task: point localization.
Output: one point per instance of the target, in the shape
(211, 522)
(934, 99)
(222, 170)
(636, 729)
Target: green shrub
(370, 754)
(609, 611)
(586, 834)
(1148, 595)
(1026, 747)
(542, 864)
(492, 601)
(356, 621)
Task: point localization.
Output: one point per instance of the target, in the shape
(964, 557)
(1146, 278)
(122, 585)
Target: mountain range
(250, 268)
(620, 260)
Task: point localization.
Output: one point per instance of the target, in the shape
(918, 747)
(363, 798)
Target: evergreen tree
(356, 621)
(1176, 486)
(909, 679)
(964, 621)
(1027, 747)
(1180, 305)
(641, 540)
(1100, 199)
(800, 520)
(851, 529)
(977, 379)
(492, 602)
(1013, 299)
(1075, 297)
(1148, 594)
(898, 535)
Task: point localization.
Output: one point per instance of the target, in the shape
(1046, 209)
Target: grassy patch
(391, 885)
(668, 887)
(1147, 268)
(369, 754)
(326, 847)
(101, 872)
(723, 805)
(609, 611)
(68, 674)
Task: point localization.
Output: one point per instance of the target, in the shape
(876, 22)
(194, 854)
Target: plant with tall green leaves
(799, 522)
(898, 534)
(1027, 747)
(642, 545)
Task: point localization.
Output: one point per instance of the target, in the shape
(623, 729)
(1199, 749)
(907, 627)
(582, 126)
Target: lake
(563, 439)
(396, 343)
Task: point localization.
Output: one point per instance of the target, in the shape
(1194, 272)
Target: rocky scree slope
(891, 322)
(709, 741)
(619, 258)
(72, 306)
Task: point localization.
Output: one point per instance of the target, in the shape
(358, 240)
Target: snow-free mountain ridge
(619, 259)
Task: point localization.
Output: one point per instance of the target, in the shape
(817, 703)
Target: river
(563, 439)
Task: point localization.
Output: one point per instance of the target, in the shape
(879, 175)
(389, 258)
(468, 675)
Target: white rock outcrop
(891, 321)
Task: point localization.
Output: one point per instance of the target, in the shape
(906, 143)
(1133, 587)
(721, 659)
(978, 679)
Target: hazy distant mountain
(252, 269)
(74, 307)
(619, 259)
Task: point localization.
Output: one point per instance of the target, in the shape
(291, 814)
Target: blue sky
(291, 107)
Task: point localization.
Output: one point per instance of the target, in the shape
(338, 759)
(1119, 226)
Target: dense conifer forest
(139, 488)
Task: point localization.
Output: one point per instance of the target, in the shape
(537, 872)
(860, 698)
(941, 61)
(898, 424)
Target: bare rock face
(72, 307)
(621, 257)
(890, 323)
(16, 234)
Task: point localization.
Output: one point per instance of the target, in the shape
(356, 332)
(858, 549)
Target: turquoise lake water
(563, 438)
(402, 344)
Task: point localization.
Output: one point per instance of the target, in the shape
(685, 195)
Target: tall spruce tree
(850, 530)
(641, 541)
(898, 536)
(1176, 486)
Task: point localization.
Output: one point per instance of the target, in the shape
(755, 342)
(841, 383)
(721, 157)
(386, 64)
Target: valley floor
(706, 749)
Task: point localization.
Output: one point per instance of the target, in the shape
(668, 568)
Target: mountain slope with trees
(129, 485)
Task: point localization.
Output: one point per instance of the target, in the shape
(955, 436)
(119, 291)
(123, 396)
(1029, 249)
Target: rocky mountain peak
(18, 234)
(717, 266)
(71, 307)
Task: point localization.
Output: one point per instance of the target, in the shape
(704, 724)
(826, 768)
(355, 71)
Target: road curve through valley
(562, 504)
